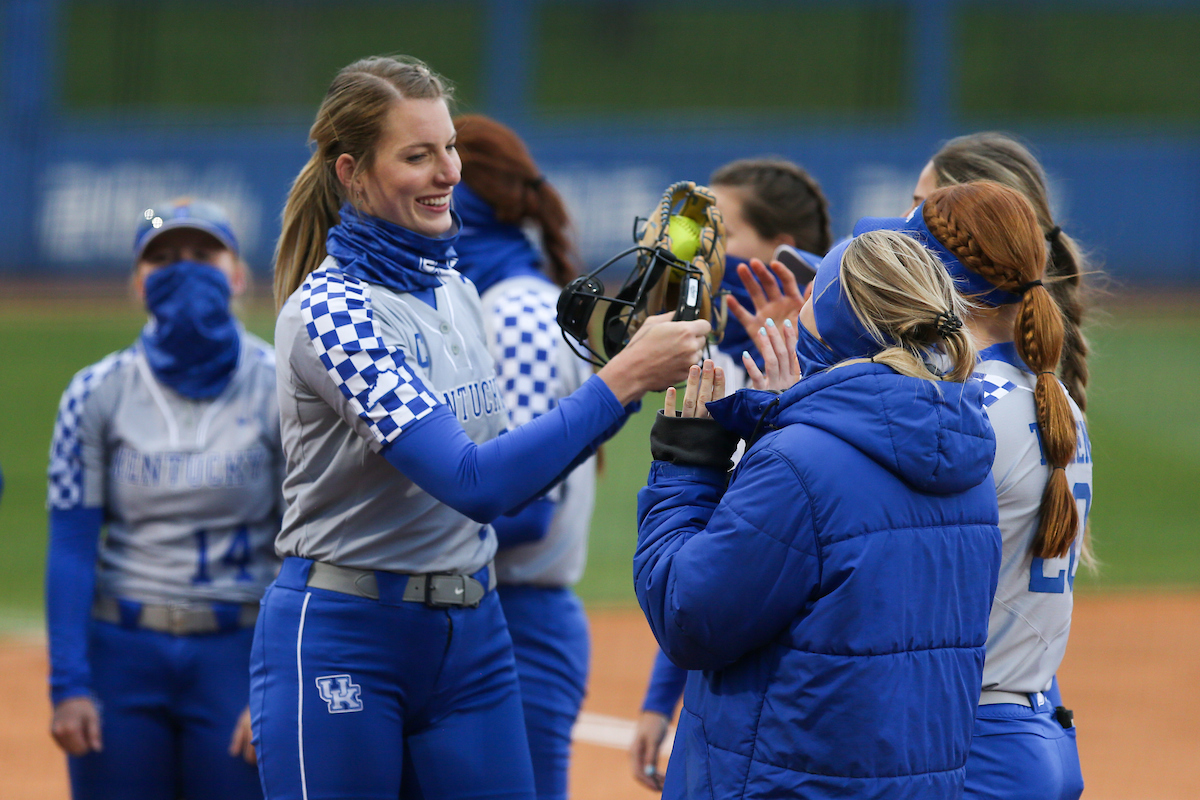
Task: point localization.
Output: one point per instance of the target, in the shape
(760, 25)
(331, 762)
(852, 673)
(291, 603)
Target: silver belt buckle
(440, 595)
(178, 619)
(184, 619)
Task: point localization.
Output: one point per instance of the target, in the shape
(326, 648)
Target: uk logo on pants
(341, 693)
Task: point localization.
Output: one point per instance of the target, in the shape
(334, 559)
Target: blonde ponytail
(311, 210)
(900, 291)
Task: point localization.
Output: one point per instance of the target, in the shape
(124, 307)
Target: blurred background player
(765, 202)
(172, 448)
(543, 549)
(382, 644)
(995, 156)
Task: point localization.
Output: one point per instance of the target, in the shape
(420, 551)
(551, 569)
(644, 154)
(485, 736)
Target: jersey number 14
(237, 556)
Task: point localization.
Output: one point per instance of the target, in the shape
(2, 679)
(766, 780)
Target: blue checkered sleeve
(67, 473)
(994, 387)
(525, 344)
(375, 379)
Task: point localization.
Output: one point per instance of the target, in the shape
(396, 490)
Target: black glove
(693, 442)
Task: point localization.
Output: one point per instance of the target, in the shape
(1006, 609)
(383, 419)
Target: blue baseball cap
(184, 213)
(970, 284)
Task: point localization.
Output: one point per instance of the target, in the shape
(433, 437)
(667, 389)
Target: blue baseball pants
(1021, 753)
(352, 697)
(168, 706)
(550, 639)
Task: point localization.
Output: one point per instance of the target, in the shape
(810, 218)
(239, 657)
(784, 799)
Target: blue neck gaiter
(813, 355)
(489, 250)
(383, 253)
(192, 340)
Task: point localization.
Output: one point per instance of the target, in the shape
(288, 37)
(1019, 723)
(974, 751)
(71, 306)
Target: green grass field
(1144, 429)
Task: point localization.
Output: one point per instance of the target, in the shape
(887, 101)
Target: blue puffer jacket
(836, 596)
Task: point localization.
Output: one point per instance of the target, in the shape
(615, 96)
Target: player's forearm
(70, 583)
(530, 524)
(666, 685)
(484, 481)
(721, 572)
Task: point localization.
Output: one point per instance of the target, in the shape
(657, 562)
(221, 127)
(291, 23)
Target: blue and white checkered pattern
(526, 348)
(994, 387)
(376, 381)
(66, 457)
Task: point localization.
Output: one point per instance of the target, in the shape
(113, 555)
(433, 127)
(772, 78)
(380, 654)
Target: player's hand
(704, 384)
(242, 743)
(774, 292)
(659, 356)
(648, 323)
(781, 365)
(643, 753)
(76, 726)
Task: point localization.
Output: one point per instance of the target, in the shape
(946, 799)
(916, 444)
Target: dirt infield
(1130, 675)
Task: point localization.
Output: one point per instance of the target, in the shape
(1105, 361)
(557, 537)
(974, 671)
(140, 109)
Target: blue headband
(969, 284)
(838, 325)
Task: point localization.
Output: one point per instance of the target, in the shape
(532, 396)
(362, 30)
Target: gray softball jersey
(358, 364)
(190, 488)
(1031, 615)
(535, 370)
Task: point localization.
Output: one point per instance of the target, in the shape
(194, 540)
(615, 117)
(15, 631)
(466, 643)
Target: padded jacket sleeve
(719, 573)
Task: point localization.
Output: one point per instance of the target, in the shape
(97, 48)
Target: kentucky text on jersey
(474, 400)
(190, 470)
(1083, 444)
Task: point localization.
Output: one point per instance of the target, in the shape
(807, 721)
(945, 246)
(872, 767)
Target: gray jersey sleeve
(1031, 615)
(78, 456)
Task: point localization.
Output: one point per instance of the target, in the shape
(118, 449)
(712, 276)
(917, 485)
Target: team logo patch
(341, 693)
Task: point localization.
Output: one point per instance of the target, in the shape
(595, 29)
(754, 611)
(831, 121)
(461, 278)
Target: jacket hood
(933, 436)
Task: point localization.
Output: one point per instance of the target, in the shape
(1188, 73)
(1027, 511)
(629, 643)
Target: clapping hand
(774, 292)
(704, 384)
(781, 367)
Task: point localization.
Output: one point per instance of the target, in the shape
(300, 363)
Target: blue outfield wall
(1135, 204)
(73, 187)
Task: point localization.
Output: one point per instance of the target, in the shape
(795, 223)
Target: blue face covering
(489, 250)
(813, 355)
(736, 338)
(192, 340)
(381, 252)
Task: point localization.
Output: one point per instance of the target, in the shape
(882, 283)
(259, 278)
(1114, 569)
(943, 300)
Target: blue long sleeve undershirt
(530, 524)
(666, 685)
(70, 584)
(486, 480)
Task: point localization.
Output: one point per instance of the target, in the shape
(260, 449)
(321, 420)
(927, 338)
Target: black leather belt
(434, 589)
